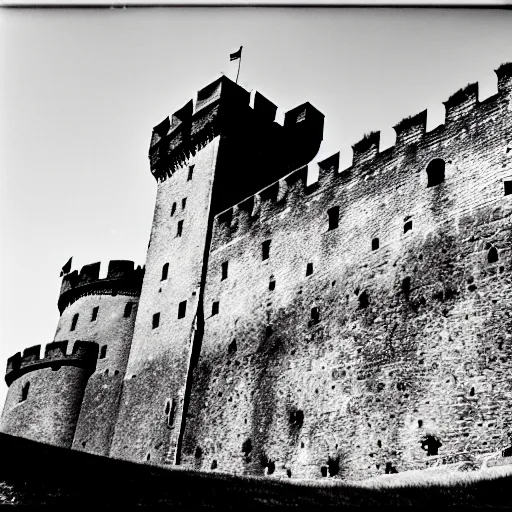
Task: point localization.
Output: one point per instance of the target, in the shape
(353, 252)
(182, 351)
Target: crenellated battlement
(366, 149)
(237, 219)
(328, 168)
(411, 129)
(223, 107)
(504, 74)
(460, 103)
(122, 278)
(83, 355)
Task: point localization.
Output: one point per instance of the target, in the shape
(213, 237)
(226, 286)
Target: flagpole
(239, 64)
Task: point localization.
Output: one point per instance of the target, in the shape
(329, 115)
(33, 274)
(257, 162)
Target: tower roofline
(122, 278)
(84, 355)
(223, 107)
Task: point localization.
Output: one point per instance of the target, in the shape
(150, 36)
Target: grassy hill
(37, 474)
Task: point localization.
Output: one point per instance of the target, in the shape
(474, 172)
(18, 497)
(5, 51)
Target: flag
(236, 55)
(66, 268)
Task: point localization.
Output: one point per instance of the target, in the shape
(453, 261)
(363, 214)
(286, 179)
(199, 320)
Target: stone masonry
(355, 326)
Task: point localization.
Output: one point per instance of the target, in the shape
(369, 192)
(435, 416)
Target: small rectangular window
(375, 244)
(224, 268)
(103, 352)
(74, 322)
(215, 308)
(408, 226)
(94, 313)
(180, 228)
(271, 285)
(128, 309)
(265, 250)
(182, 309)
(190, 172)
(315, 314)
(24, 391)
(172, 413)
(309, 269)
(183, 203)
(508, 187)
(333, 214)
(156, 320)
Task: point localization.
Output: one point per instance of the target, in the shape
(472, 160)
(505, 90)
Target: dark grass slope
(37, 474)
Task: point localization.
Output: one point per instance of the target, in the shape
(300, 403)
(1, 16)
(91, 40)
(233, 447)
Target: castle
(351, 327)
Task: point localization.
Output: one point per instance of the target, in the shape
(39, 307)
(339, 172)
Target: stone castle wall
(355, 326)
(378, 358)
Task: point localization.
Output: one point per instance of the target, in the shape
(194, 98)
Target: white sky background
(80, 91)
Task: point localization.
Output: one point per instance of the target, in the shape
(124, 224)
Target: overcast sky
(80, 91)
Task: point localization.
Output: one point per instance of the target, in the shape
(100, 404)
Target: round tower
(45, 394)
(101, 311)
